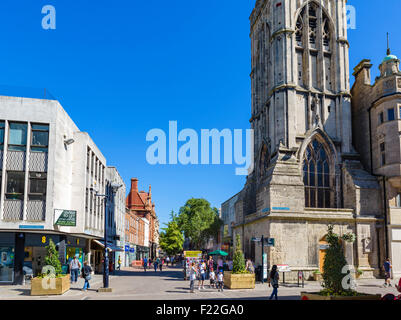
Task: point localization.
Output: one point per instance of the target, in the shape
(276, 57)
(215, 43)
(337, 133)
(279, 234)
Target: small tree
(334, 263)
(52, 258)
(238, 260)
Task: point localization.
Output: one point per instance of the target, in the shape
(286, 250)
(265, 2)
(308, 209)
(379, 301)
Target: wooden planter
(239, 281)
(317, 277)
(61, 286)
(316, 296)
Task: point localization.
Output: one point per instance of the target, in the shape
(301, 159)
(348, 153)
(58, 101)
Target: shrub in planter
(333, 275)
(52, 282)
(239, 278)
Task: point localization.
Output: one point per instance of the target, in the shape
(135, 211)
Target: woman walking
(273, 281)
(86, 274)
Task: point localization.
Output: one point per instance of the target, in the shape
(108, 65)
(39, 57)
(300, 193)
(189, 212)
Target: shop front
(142, 252)
(7, 257)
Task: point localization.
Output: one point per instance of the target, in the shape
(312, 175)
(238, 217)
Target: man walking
(145, 263)
(387, 272)
(119, 263)
(75, 265)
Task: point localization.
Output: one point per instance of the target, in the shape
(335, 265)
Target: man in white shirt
(75, 265)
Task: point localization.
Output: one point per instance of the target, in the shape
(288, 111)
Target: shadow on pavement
(24, 292)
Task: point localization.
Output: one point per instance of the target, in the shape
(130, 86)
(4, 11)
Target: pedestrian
(161, 265)
(111, 267)
(220, 281)
(212, 278)
(387, 272)
(219, 264)
(273, 280)
(155, 265)
(119, 262)
(210, 265)
(86, 274)
(75, 265)
(145, 263)
(202, 272)
(167, 260)
(249, 266)
(192, 277)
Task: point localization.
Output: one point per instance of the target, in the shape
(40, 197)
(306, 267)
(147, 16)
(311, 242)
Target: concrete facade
(48, 165)
(307, 173)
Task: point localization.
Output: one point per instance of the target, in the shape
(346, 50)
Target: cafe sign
(65, 218)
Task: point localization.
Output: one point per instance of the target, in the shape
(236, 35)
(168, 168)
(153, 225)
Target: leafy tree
(334, 263)
(172, 239)
(238, 259)
(199, 222)
(52, 257)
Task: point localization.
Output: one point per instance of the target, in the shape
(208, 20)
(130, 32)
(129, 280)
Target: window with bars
(316, 173)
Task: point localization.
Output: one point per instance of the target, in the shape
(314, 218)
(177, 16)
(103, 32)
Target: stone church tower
(306, 172)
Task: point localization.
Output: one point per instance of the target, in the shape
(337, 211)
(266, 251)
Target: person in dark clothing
(86, 274)
(273, 281)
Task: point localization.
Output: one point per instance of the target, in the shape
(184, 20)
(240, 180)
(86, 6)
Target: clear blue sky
(121, 68)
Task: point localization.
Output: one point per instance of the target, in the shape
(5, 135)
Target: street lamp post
(107, 197)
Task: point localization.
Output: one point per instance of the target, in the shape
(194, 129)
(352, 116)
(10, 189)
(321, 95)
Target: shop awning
(110, 247)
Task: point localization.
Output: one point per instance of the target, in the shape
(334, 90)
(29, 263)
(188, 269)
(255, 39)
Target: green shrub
(238, 260)
(52, 258)
(334, 263)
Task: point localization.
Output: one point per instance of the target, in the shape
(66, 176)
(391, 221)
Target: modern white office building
(48, 171)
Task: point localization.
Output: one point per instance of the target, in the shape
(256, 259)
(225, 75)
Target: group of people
(157, 263)
(202, 271)
(86, 272)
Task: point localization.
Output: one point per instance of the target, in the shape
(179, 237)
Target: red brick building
(142, 226)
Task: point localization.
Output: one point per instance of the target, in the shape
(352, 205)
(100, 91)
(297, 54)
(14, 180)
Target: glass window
(398, 200)
(381, 118)
(37, 186)
(15, 185)
(40, 137)
(17, 136)
(390, 114)
(383, 153)
(2, 126)
(317, 177)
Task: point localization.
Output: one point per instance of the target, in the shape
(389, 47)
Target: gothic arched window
(316, 172)
(313, 42)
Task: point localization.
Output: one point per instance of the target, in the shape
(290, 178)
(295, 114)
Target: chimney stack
(134, 184)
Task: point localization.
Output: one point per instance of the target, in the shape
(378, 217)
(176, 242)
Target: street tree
(199, 222)
(172, 239)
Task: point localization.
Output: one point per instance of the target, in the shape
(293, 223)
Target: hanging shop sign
(66, 218)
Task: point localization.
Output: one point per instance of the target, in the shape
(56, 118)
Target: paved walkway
(134, 284)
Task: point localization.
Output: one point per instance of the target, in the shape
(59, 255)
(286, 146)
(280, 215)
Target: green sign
(66, 218)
